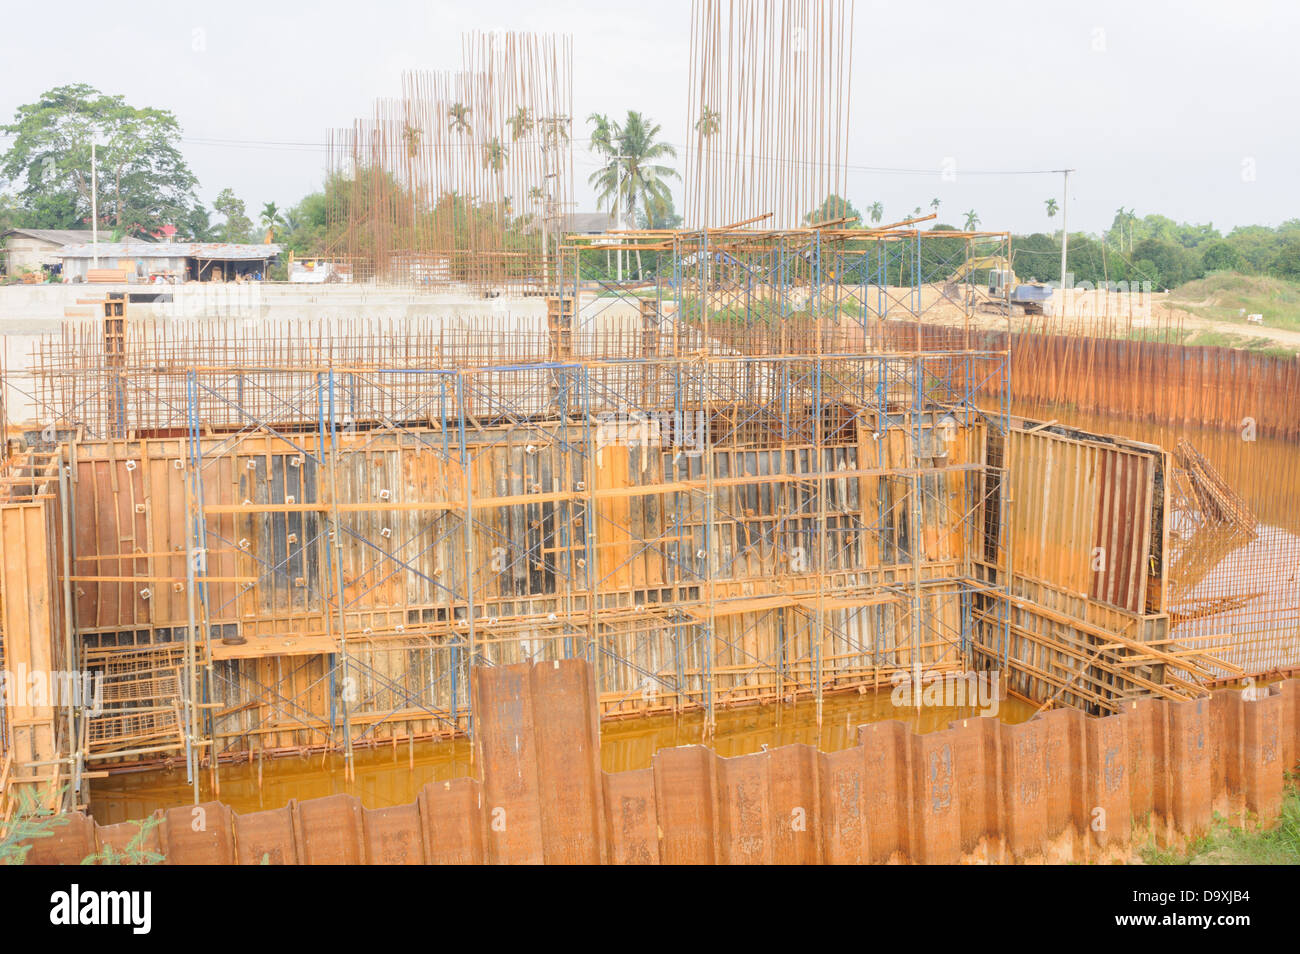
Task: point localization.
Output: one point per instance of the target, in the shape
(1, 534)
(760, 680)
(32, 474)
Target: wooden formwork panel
(31, 625)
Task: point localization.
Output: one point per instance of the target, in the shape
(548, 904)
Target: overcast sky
(1189, 109)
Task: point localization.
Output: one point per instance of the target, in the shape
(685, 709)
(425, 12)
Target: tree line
(147, 190)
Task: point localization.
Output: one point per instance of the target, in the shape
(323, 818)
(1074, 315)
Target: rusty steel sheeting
(980, 790)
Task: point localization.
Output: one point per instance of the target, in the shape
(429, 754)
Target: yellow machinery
(1004, 288)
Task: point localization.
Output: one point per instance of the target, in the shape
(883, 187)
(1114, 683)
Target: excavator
(1003, 287)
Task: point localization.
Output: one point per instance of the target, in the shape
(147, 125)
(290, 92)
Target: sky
(1187, 109)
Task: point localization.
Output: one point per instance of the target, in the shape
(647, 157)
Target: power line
(881, 170)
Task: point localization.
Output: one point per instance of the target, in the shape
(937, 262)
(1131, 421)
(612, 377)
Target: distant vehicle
(316, 272)
(1003, 287)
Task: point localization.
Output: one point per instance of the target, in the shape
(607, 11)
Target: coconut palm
(972, 220)
(1051, 208)
(521, 123)
(411, 136)
(271, 218)
(934, 204)
(495, 156)
(707, 126)
(877, 212)
(459, 121)
(709, 123)
(603, 133)
(632, 175)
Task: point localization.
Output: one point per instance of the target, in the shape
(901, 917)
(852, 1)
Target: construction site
(682, 508)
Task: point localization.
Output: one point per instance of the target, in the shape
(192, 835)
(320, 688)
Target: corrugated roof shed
(56, 236)
(208, 251)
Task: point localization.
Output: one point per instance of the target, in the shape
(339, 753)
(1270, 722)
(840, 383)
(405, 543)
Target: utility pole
(618, 204)
(1065, 227)
(94, 205)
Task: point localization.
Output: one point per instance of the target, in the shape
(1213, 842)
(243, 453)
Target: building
(168, 262)
(37, 249)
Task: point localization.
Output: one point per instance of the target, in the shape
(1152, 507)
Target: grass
(1260, 344)
(1225, 844)
(1230, 296)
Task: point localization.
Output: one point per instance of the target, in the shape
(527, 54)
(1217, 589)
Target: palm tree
(916, 213)
(459, 121)
(411, 136)
(877, 212)
(495, 156)
(536, 196)
(708, 123)
(934, 204)
(521, 124)
(1051, 208)
(271, 218)
(707, 127)
(632, 175)
(603, 134)
(972, 220)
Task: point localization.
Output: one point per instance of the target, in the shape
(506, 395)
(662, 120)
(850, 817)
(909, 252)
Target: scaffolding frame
(737, 481)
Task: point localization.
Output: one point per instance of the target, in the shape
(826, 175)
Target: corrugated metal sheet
(217, 251)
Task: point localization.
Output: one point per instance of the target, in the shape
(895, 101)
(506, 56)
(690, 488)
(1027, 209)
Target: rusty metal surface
(978, 791)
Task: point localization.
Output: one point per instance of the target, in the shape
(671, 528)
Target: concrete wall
(24, 252)
(1062, 787)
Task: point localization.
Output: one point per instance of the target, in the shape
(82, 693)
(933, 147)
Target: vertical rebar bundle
(768, 110)
(465, 177)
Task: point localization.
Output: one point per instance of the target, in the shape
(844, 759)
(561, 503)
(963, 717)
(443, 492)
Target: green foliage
(664, 216)
(1220, 256)
(195, 225)
(1228, 844)
(632, 177)
(834, 207)
(1230, 296)
(28, 822)
(144, 181)
(1287, 262)
(135, 852)
(272, 219)
(458, 119)
(237, 227)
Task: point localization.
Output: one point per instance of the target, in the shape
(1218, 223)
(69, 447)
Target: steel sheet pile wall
(1236, 594)
(978, 791)
(1087, 575)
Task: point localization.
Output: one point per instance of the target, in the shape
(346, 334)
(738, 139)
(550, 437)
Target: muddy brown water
(389, 776)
